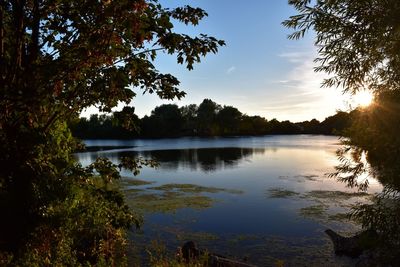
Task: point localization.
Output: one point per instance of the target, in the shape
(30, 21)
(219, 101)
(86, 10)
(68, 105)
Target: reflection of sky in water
(247, 163)
(312, 142)
(250, 164)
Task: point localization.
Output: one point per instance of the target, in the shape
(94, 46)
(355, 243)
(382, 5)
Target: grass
(160, 257)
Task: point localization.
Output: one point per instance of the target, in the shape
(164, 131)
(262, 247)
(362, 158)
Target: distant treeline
(206, 119)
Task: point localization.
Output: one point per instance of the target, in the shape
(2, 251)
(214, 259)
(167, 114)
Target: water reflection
(294, 167)
(203, 159)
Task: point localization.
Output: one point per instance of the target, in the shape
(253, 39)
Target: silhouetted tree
(335, 124)
(189, 114)
(358, 46)
(228, 119)
(102, 127)
(253, 125)
(165, 121)
(56, 59)
(206, 117)
(310, 127)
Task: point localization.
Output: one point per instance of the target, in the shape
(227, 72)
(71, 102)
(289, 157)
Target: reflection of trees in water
(373, 144)
(203, 159)
(372, 151)
(382, 215)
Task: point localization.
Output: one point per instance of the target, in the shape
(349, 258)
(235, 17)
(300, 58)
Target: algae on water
(167, 202)
(340, 217)
(315, 211)
(192, 188)
(334, 195)
(198, 236)
(134, 182)
(281, 193)
(171, 197)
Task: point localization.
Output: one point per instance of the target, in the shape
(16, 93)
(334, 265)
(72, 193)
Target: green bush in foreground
(57, 58)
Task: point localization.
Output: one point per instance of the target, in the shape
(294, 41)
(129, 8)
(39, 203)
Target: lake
(264, 199)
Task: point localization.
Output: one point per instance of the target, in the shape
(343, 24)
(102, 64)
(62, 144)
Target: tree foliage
(171, 121)
(229, 120)
(357, 41)
(206, 117)
(358, 44)
(57, 58)
(165, 121)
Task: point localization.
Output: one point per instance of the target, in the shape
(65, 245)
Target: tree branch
(150, 50)
(34, 45)
(18, 10)
(2, 63)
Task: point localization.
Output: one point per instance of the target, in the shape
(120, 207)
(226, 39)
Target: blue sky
(260, 71)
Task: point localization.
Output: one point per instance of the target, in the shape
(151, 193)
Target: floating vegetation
(283, 177)
(309, 177)
(247, 237)
(326, 199)
(197, 236)
(192, 188)
(132, 190)
(325, 203)
(167, 202)
(340, 217)
(293, 251)
(334, 195)
(281, 193)
(170, 197)
(126, 181)
(301, 178)
(244, 237)
(315, 211)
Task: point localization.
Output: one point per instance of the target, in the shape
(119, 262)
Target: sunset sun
(363, 98)
(199, 133)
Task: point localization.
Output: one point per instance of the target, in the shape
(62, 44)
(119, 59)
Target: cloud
(295, 57)
(230, 70)
(299, 94)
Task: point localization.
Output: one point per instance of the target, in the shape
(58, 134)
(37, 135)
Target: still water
(266, 199)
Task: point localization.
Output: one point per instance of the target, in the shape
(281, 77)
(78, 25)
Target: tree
(206, 117)
(253, 125)
(357, 41)
(358, 44)
(57, 58)
(336, 123)
(165, 121)
(310, 127)
(189, 114)
(229, 119)
(105, 126)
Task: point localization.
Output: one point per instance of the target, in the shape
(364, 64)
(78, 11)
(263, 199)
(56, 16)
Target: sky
(260, 71)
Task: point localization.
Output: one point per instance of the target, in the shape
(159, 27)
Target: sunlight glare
(363, 98)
